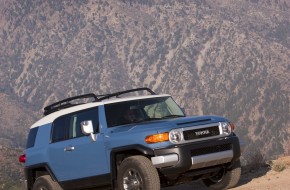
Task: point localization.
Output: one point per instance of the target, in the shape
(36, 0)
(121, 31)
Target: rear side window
(31, 137)
(58, 130)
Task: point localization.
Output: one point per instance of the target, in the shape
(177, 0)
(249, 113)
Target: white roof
(51, 117)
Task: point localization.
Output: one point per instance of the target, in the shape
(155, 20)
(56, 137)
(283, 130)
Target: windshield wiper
(139, 121)
(164, 117)
(152, 119)
(172, 116)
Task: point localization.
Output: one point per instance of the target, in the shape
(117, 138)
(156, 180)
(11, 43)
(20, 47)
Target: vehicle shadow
(246, 177)
(193, 185)
(249, 175)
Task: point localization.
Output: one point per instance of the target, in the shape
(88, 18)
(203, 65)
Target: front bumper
(180, 159)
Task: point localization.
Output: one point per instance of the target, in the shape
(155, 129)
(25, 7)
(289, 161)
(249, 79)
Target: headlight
(226, 128)
(175, 136)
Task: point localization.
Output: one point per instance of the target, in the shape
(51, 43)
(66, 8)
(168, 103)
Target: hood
(167, 124)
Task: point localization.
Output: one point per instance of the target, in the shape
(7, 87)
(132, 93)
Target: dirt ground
(262, 179)
(270, 180)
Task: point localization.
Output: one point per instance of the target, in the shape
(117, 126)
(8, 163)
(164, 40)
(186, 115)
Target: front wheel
(45, 183)
(225, 178)
(137, 173)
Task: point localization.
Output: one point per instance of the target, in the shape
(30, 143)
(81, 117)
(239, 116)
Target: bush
(278, 166)
(253, 159)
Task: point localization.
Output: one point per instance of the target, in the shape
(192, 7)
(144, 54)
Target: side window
(31, 137)
(75, 119)
(58, 130)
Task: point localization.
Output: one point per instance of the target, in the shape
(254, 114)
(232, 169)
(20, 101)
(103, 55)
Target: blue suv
(130, 142)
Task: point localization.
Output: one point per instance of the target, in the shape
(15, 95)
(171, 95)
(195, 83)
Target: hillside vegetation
(220, 57)
(11, 172)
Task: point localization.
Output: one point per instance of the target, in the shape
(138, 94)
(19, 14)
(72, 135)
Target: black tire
(45, 183)
(225, 178)
(137, 173)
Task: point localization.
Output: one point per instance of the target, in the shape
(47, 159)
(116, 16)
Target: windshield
(136, 111)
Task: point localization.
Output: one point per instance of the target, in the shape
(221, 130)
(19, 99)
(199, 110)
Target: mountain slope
(15, 119)
(228, 58)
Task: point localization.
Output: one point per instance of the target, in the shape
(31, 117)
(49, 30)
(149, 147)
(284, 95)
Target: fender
(30, 175)
(134, 149)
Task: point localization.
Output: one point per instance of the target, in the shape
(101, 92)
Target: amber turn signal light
(157, 138)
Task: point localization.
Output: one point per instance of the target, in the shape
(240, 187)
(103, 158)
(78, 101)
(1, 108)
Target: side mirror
(88, 129)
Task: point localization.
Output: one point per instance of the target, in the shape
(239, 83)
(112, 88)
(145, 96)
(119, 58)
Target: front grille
(211, 149)
(201, 133)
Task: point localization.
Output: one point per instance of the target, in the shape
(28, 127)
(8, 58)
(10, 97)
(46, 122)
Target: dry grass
(280, 164)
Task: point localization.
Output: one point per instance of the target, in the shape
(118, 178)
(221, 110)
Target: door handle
(69, 148)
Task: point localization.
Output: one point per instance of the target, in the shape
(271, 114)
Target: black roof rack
(66, 103)
(117, 94)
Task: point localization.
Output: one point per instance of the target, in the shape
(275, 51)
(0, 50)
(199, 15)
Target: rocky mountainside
(222, 57)
(15, 119)
(11, 171)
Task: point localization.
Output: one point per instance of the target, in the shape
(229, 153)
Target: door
(72, 154)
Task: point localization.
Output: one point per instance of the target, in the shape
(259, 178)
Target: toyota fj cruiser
(132, 142)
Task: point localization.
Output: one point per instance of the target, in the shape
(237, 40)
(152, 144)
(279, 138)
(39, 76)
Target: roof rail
(116, 94)
(66, 103)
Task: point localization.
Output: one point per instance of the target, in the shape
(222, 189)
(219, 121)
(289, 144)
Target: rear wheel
(45, 183)
(225, 178)
(137, 173)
